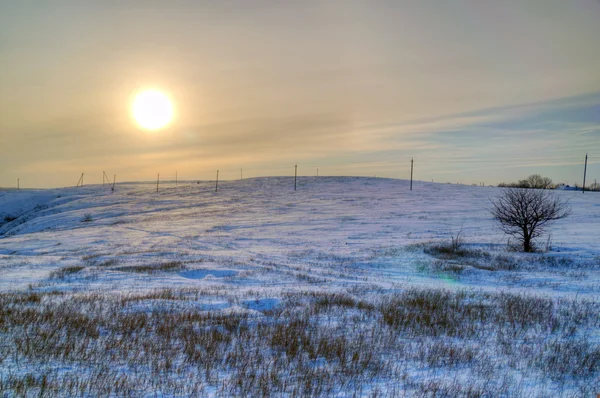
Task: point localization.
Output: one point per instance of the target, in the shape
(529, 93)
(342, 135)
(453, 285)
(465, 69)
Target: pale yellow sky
(350, 87)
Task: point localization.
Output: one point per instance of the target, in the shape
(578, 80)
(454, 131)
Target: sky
(475, 91)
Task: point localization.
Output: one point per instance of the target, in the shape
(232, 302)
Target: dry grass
(312, 344)
(64, 272)
(454, 258)
(153, 268)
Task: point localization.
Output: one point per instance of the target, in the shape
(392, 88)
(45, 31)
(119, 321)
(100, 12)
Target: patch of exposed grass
(152, 268)
(8, 218)
(454, 258)
(447, 251)
(448, 266)
(64, 272)
(108, 262)
(553, 261)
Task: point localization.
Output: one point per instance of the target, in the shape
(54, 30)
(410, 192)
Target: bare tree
(526, 213)
(538, 182)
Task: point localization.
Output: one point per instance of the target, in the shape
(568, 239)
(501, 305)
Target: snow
(332, 231)
(246, 248)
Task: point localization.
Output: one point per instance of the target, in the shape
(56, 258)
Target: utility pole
(217, 184)
(411, 172)
(295, 175)
(584, 171)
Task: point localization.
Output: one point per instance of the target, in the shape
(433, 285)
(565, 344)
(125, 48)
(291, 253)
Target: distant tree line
(593, 187)
(534, 181)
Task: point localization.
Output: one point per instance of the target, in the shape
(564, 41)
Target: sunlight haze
(474, 91)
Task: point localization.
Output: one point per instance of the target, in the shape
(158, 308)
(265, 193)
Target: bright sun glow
(152, 109)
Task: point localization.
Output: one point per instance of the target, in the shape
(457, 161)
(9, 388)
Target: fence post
(584, 171)
(80, 181)
(411, 173)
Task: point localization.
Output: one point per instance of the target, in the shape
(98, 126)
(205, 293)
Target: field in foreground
(345, 286)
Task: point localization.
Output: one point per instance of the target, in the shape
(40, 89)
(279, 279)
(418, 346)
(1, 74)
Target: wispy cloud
(349, 86)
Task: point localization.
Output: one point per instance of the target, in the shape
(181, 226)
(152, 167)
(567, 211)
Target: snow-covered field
(342, 256)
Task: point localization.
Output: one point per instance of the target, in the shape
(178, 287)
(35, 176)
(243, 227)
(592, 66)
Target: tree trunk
(527, 244)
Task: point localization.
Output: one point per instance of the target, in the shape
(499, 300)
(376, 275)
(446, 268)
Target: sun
(152, 109)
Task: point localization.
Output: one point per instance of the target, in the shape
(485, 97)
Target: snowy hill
(342, 287)
(339, 229)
